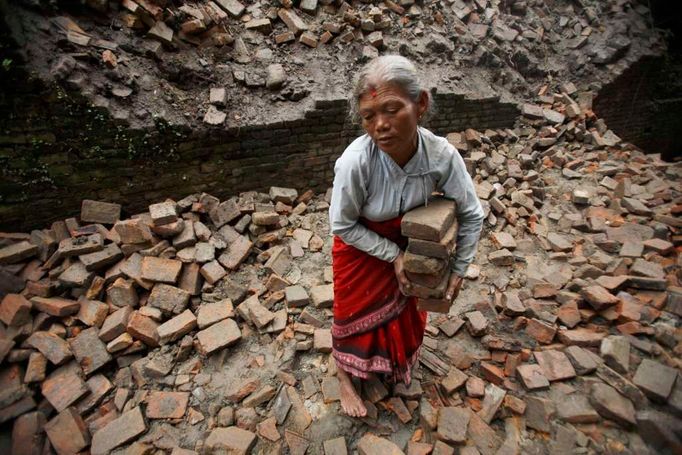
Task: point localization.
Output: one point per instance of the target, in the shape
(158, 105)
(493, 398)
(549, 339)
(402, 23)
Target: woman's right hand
(403, 282)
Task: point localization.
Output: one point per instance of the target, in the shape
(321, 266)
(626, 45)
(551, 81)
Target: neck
(403, 156)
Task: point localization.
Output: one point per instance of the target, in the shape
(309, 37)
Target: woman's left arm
(456, 184)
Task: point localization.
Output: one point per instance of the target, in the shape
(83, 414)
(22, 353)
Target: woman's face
(390, 117)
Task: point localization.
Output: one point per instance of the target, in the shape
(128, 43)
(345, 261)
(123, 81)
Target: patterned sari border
(371, 320)
(361, 368)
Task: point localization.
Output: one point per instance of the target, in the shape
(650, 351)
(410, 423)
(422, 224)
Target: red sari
(376, 329)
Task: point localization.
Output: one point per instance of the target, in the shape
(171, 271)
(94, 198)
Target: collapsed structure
(203, 325)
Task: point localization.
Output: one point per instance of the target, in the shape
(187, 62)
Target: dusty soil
(526, 44)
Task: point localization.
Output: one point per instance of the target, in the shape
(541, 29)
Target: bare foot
(351, 403)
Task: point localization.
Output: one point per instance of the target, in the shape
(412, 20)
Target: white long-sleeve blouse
(369, 184)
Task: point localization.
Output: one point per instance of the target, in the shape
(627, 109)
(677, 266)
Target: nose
(382, 123)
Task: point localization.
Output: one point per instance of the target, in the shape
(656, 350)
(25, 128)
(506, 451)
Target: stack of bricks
(432, 232)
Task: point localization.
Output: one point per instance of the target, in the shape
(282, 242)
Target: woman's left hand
(453, 287)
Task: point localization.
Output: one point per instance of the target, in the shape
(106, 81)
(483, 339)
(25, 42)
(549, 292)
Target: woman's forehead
(382, 93)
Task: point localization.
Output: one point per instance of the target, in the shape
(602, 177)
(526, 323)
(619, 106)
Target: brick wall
(56, 149)
(639, 109)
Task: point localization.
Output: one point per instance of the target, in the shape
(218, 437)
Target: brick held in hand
(442, 249)
(416, 263)
(424, 292)
(434, 305)
(427, 280)
(429, 222)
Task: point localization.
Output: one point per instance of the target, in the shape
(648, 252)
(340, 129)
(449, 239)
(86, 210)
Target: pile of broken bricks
(80, 297)
(432, 233)
(202, 325)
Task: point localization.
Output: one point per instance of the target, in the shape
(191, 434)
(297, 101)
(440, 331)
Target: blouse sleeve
(456, 184)
(348, 196)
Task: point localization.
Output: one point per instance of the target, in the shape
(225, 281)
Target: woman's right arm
(348, 197)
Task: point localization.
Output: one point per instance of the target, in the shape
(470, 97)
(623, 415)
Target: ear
(422, 103)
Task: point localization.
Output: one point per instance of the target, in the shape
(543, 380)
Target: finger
(450, 293)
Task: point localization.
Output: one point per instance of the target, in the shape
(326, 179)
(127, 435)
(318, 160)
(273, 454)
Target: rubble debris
(562, 329)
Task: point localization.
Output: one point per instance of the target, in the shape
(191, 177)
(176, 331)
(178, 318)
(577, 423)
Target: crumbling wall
(56, 149)
(636, 107)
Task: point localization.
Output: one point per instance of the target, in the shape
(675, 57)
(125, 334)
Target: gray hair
(389, 69)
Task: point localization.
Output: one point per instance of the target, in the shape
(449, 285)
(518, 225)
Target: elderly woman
(392, 169)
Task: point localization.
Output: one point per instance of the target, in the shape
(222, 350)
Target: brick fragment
(224, 213)
(190, 279)
(258, 397)
(292, 21)
(177, 327)
(452, 424)
(477, 324)
(161, 32)
(441, 249)
(63, 387)
(576, 408)
(237, 252)
(612, 405)
(539, 413)
(581, 337)
(55, 349)
(55, 306)
(93, 313)
(454, 380)
(97, 260)
(285, 37)
(655, 379)
(128, 426)
(163, 213)
(582, 361)
(296, 296)
(67, 432)
(532, 377)
(598, 297)
(99, 386)
(144, 329)
(418, 264)
(430, 222)
(17, 252)
(540, 330)
(210, 313)
(212, 272)
(370, 444)
(279, 261)
(169, 299)
(492, 373)
(322, 296)
(76, 276)
(28, 434)
(89, 350)
(233, 7)
(491, 403)
(309, 39)
(160, 269)
(555, 365)
(501, 257)
(166, 405)
(36, 367)
(15, 310)
(222, 334)
(322, 340)
(115, 324)
(133, 231)
(616, 353)
(231, 440)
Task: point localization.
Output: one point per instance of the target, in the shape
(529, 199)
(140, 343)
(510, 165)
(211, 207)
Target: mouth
(384, 139)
